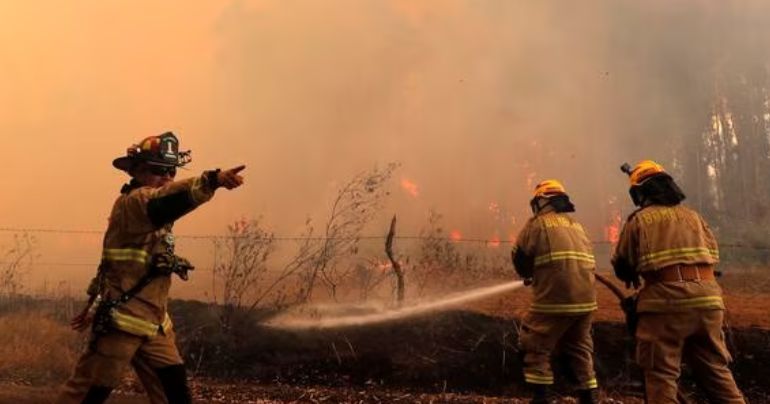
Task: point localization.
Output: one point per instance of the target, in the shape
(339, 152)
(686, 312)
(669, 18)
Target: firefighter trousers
(543, 335)
(108, 357)
(663, 340)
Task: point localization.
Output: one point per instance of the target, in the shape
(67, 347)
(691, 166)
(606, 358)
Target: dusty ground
(212, 391)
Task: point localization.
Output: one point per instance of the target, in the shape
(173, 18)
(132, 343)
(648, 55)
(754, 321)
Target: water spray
(293, 322)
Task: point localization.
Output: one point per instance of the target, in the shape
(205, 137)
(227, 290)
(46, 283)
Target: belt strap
(680, 273)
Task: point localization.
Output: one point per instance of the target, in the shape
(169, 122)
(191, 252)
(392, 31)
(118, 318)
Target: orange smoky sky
(475, 98)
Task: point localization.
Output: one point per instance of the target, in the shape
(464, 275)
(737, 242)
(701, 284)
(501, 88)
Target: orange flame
(612, 231)
(494, 241)
(384, 266)
(455, 235)
(409, 187)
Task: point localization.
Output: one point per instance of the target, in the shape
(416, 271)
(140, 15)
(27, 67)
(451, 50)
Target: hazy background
(477, 99)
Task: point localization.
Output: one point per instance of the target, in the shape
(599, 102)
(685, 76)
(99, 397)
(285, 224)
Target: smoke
(476, 98)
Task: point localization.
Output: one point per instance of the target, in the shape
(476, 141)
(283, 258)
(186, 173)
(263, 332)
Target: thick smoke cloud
(476, 100)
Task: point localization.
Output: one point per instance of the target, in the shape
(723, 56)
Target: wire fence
(729, 252)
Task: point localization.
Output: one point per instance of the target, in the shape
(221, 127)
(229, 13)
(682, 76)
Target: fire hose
(627, 303)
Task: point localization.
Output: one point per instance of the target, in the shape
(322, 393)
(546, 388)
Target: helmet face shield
(658, 189)
(553, 193)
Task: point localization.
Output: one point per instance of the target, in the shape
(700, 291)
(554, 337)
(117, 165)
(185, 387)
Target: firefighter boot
(174, 382)
(541, 394)
(588, 396)
(97, 395)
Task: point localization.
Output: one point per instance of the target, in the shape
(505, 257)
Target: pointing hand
(230, 178)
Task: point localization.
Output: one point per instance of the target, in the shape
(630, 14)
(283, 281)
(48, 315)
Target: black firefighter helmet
(161, 150)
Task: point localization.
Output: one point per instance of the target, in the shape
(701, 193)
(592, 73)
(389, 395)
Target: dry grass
(35, 348)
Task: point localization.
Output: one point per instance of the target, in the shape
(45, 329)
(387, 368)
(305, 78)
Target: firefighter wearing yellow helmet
(130, 325)
(680, 308)
(554, 255)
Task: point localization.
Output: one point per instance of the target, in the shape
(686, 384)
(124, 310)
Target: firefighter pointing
(130, 322)
(554, 255)
(680, 308)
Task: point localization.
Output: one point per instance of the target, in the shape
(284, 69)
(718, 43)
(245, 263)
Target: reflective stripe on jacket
(139, 327)
(130, 242)
(562, 266)
(657, 237)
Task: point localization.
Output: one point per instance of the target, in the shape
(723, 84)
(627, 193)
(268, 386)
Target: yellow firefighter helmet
(549, 188)
(644, 170)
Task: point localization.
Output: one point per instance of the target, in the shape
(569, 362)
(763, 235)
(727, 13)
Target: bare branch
(396, 265)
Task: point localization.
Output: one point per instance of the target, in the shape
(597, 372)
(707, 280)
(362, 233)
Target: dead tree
(356, 204)
(16, 261)
(241, 265)
(396, 265)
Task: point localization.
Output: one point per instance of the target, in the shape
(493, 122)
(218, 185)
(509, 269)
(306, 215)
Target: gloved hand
(626, 273)
(230, 179)
(183, 266)
(82, 321)
(167, 264)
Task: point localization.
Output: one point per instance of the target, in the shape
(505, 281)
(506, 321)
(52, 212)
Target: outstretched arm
(169, 203)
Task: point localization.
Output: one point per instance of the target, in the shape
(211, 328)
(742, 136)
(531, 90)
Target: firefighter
(129, 322)
(554, 256)
(680, 310)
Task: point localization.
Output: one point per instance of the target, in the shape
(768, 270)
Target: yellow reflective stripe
(592, 384)
(166, 323)
(125, 254)
(688, 252)
(564, 308)
(134, 325)
(537, 379)
(695, 302)
(564, 255)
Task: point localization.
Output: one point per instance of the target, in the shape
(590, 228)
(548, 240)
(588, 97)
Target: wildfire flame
(612, 230)
(382, 266)
(455, 235)
(494, 241)
(410, 187)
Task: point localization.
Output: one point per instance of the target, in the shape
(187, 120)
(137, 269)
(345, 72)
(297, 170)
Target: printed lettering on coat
(552, 222)
(658, 215)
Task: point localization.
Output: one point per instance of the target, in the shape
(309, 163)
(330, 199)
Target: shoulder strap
(129, 294)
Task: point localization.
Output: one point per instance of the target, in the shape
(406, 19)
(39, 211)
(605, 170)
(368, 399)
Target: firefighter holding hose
(668, 251)
(554, 255)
